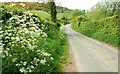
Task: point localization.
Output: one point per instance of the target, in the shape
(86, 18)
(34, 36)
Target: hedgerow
(30, 44)
(103, 29)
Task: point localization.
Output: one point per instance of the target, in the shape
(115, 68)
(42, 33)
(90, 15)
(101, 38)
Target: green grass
(57, 45)
(60, 15)
(42, 14)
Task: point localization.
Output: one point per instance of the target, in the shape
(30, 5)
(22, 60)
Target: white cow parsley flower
(51, 58)
(43, 61)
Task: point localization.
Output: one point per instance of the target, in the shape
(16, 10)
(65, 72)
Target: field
(42, 14)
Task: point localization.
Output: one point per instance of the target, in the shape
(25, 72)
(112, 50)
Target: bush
(30, 45)
(20, 36)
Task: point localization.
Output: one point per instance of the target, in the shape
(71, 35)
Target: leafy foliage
(30, 44)
(100, 23)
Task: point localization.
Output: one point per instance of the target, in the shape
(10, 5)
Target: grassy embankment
(104, 29)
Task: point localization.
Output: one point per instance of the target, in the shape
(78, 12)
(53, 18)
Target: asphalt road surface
(91, 55)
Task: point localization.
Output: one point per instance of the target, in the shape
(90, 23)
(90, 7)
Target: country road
(91, 55)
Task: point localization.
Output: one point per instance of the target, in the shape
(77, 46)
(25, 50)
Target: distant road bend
(91, 55)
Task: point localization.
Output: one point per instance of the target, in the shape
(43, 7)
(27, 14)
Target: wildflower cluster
(22, 30)
(19, 37)
(38, 61)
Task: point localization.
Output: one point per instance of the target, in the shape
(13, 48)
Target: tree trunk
(53, 11)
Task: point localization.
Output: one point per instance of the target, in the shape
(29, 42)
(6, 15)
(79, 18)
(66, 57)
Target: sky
(71, 4)
(79, 4)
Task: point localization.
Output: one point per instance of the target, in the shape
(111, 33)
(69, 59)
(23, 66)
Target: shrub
(29, 44)
(20, 35)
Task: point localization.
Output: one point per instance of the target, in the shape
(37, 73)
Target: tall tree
(53, 11)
